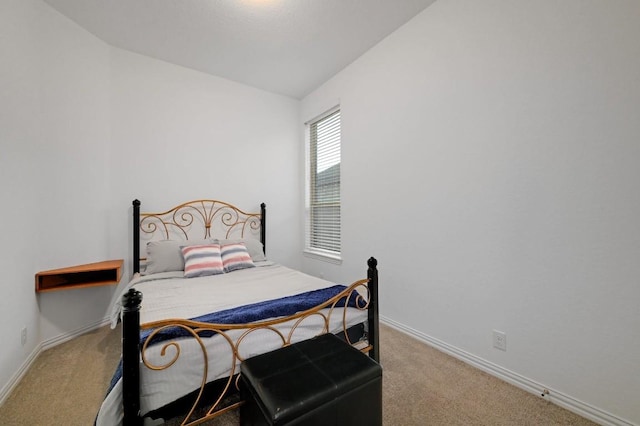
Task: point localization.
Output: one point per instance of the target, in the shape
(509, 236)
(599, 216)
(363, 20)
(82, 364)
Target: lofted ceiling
(288, 47)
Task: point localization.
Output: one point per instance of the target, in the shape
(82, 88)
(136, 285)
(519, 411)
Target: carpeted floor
(421, 386)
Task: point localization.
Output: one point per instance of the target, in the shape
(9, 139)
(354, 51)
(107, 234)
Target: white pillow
(166, 255)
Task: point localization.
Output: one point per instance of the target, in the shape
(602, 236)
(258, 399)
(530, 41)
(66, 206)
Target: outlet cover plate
(500, 340)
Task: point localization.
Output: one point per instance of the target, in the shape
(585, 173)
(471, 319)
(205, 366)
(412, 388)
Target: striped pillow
(235, 256)
(202, 260)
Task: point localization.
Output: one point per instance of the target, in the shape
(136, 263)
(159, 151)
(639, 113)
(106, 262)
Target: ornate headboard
(198, 219)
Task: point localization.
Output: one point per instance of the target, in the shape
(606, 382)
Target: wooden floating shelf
(89, 275)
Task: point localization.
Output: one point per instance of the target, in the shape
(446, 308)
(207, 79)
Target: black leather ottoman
(321, 381)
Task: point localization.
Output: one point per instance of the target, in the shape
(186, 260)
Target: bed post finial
(372, 262)
(130, 357)
(374, 336)
(131, 300)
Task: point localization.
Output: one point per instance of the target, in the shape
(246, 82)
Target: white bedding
(168, 295)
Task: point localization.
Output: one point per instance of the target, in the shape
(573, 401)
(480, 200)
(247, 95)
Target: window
(323, 214)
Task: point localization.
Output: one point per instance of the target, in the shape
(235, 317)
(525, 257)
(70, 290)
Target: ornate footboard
(362, 294)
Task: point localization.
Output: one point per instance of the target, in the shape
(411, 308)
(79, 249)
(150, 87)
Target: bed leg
(374, 328)
(131, 358)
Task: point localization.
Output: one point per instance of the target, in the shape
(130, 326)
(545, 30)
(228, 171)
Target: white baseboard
(15, 379)
(583, 409)
(65, 337)
(42, 346)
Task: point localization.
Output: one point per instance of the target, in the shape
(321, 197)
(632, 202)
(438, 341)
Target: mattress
(169, 295)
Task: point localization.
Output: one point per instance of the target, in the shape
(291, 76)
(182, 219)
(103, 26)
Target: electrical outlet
(500, 340)
(23, 336)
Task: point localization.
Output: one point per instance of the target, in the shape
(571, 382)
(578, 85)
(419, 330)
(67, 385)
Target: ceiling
(288, 47)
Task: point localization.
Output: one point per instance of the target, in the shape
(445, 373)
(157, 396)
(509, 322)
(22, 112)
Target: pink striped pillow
(202, 260)
(235, 256)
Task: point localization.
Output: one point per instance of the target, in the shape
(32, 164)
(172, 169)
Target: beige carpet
(421, 386)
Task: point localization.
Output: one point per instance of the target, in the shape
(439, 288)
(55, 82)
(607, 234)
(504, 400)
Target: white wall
(73, 157)
(54, 139)
(19, 137)
(490, 163)
(180, 135)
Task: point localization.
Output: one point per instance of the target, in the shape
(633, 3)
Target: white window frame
(309, 251)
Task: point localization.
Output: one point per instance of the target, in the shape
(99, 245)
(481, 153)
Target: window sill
(324, 256)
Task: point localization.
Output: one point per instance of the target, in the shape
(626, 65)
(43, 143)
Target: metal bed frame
(208, 214)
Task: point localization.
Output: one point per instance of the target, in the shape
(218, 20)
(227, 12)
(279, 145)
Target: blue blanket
(249, 313)
(275, 308)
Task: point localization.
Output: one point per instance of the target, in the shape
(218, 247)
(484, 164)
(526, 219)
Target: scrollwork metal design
(182, 219)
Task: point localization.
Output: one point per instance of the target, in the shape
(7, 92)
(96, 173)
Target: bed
(204, 297)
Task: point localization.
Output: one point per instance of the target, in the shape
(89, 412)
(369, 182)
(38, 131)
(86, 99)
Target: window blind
(324, 214)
